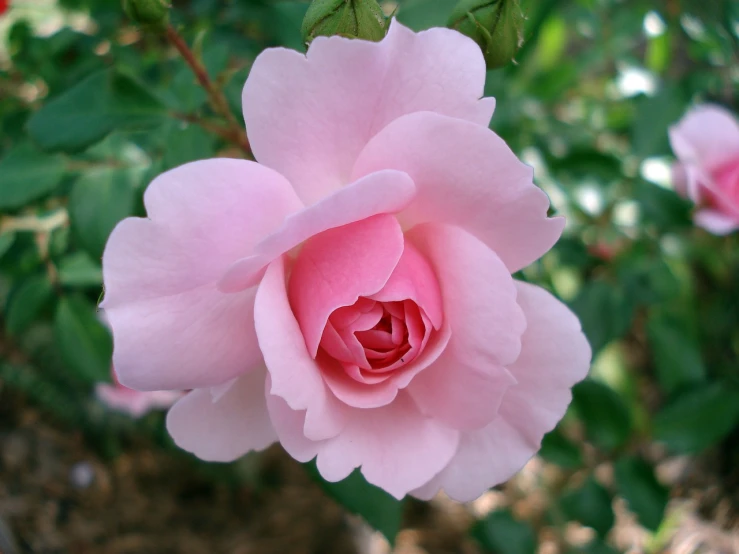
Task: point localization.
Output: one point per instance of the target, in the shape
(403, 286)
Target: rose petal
(467, 176)
(555, 355)
(707, 136)
(172, 328)
(716, 222)
(466, 385)
(295, 375)
(309, 116)
(338, 266)
(381, 192)
(226, 429)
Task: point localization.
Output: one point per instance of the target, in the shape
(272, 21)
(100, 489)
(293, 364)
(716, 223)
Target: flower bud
(496, 25)
(347, 18)
(149, 13)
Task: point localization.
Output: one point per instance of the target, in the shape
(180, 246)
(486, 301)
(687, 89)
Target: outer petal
(338, 266)
(555, 356)
(708, 136)
(223, 430)
(295, 375)
(467, 176)
(465, 386)
(309, 116)
(132, 402)
(381, 192)
(716, 222)
(172, 328)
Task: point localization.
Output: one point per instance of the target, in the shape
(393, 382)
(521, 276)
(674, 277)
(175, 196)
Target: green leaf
(87, 112)
(99, 200)
(84, 343)
(646, 496)
(556, 449)
(591, 505)
(6, 241)
(698, 418)
(380, 510)
(186, 143)
(27, 174)
(79, 270)
(605, 416)
(500, 533)
(653, 117)
(26, 302)
(662, 207)
(596, 299)
(676, 354)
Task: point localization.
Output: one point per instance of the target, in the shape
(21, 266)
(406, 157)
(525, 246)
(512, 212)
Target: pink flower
(350, 296)
(706, 143)
(132, 402)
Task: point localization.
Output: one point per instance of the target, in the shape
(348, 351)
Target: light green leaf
(99, 200)
(84, 343)
(79, 270)
(26, 302)
(27, 174)
(87, 112)
(698, 418)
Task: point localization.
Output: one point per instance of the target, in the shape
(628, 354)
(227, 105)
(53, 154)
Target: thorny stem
(234, 131)
(226, 133)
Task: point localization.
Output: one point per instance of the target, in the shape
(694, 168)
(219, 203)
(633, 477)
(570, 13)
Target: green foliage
(90, 110)
(500, 533)
(378, 508)
(591, 505)
(646, 496)
(606, 417)
(84, 342)
(28, 174)
(698, 418)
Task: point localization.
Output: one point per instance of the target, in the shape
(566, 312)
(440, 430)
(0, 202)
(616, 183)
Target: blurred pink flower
(350, 296)
(132, 402)
(706, 143)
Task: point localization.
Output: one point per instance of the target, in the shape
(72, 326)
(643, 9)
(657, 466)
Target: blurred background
(647, 459)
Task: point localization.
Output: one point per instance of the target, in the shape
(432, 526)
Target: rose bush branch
(234, 132)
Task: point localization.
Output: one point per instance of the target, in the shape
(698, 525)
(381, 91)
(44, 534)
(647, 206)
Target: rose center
(371, 338)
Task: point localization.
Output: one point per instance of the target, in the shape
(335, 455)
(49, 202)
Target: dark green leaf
(556, 449)
(26, 302)
(380, 510)
(27, 174)
(646, 496)
(499, 533)
(84, 343)
(606, 417)
(79, 270)
(591, 505)
(99, 200)
(87, 112)
(661, 207)
(698, 418)
(596, 299)
(675, 351)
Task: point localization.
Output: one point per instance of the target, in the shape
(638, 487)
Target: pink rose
(350, 296)
(706, 143)
(132, 402)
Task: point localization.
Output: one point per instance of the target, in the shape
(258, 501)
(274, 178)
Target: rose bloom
(350, 295)
(132, 402)
(706, 143)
